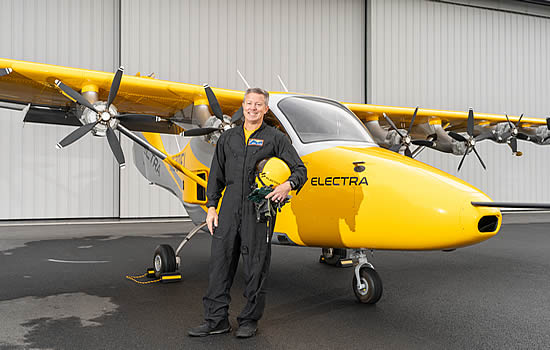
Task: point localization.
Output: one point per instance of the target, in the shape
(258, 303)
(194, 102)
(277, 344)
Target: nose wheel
(366, 284)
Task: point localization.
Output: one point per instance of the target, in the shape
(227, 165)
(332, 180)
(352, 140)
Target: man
(234, 169)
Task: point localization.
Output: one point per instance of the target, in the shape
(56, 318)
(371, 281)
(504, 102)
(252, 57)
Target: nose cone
(403, 204)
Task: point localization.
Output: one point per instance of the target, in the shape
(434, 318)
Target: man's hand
(212, 219)
(280, 192)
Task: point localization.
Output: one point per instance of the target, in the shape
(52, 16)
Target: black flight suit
(233, 169)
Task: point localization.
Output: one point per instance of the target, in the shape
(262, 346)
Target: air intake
(488, 223)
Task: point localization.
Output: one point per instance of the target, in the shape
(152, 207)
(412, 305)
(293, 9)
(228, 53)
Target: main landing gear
(366, 284)
(166, 262)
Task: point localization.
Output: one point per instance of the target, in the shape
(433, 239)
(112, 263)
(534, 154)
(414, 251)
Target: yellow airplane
(361, 195)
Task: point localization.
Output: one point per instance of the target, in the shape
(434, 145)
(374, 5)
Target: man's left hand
(280, 192)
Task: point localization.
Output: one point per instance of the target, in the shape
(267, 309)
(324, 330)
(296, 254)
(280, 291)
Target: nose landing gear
(367, 285)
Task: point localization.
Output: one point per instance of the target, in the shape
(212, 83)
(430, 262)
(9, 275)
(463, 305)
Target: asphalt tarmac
(64, 287)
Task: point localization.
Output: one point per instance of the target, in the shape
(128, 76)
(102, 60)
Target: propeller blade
(548, 123)
(75, 135)
(462, 160)
(75, 95)
(506, 135)
(392, 124)
(514, 144)
(484, 136)
(425, 143)
(199, 131)
(509, 122)
(412, 120)
(114, 86)
(408, 152)
(470, 122)
(457, 137)
(523, 136)
(521, 116)
(395, 148)
(237, 115)
(115, 146)
(213, 102)
(5, 71)
(478, 157)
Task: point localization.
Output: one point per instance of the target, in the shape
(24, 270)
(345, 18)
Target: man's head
(255, 105)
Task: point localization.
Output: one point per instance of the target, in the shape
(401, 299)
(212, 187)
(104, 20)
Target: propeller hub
(106, 117)
(407, 140)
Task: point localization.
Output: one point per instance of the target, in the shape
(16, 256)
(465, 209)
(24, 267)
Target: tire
(373, 293)
(164, 260)
(333, 255)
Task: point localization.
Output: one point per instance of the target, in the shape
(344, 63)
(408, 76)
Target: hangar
(489, 55)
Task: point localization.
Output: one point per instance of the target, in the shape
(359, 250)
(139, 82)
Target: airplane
(362, 193)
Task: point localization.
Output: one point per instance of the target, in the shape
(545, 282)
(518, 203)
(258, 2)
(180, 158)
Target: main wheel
(373, 286)
(164, 260)
(333, 255)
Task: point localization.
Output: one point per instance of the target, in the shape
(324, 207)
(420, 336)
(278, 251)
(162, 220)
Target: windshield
(316, 119)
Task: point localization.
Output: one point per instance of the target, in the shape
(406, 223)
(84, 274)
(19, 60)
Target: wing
(399, 127)
(24, 83)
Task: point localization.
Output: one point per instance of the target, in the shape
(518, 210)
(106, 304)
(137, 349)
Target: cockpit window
(317, 119)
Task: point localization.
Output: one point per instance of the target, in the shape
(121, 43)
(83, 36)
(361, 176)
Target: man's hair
(256, 90)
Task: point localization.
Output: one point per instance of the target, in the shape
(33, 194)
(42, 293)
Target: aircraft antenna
(243, 79)
(283, 84)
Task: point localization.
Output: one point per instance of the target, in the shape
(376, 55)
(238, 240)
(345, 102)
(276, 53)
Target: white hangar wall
(489, 55)
(317, 46)
(36, 180)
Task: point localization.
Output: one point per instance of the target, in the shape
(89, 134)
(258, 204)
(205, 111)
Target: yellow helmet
(272, 172)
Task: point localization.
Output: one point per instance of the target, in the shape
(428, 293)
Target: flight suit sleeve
(216, 178)
(298, 171)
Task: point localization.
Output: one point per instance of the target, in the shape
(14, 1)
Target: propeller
(104, 117)
(218, 113)
(406, 139)
(5, 71)
(471, 140)
(514, 134)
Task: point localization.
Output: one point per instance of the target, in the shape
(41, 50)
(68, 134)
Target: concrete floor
(62, 286)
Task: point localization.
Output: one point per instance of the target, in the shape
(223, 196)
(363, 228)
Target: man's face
(254, 108)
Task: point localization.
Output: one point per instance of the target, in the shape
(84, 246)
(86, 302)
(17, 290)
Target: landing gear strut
(367, 285)
(335, 257)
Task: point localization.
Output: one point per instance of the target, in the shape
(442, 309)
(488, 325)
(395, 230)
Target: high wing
(399, 127)
(26, 83)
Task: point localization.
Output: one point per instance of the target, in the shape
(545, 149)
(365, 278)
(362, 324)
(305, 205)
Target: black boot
(206, 329)
(247, 329)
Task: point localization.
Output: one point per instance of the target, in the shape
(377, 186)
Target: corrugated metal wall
(315, 46)
(36, 180)
(433, 54)
(455, 56)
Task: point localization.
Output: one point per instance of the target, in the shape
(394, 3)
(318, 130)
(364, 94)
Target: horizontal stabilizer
(512, 205)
